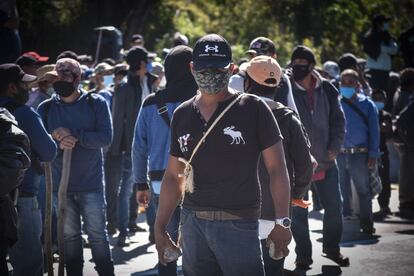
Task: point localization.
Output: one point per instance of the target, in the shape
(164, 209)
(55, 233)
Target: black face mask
(22, 95)
(300, 71)
(63, 88)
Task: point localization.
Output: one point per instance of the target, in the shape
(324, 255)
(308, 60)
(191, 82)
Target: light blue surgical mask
(386, 27)
(107, 80)
(380, 105)
(347, 92)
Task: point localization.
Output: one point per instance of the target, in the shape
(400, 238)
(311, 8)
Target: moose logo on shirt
(183, 140)
(235, 135)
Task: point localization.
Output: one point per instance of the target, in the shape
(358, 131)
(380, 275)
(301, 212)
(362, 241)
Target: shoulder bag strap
(162, 108)
(356, 109)
(212, 126)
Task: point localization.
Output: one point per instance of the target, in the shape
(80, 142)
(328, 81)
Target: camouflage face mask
(212, 81)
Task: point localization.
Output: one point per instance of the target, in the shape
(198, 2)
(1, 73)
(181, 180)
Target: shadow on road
(327, 270)
(121, 257)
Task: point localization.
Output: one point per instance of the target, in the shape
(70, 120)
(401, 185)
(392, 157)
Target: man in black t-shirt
(219, 221)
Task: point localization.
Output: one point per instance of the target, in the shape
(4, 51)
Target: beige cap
(46, 72)
(264, 70)
(103, 68)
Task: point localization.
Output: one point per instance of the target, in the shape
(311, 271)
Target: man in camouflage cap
(81, 122)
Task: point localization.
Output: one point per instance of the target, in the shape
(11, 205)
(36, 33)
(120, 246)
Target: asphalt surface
(389, 252)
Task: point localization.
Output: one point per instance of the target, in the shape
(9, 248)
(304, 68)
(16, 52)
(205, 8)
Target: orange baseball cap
(264, 70)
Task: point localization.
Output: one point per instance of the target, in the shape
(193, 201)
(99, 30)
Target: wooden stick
(62, 203)
(48, 219)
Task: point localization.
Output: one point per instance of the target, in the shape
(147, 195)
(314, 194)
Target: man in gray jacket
(321, 113)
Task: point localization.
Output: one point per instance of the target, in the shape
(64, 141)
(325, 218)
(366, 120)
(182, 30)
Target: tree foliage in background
(331, 27)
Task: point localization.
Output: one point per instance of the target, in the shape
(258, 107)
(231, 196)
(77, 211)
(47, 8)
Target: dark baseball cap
(136, 54)
(137, 38)
(10, 72)
(211, 51)
(26, 60)
(303, 52)
(347, 61)
(67, 54)
(262, 46)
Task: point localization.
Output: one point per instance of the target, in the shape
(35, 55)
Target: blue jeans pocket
(244, 225)
(185, 213)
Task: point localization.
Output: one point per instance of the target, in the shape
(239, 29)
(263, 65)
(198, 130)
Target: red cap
(36, 56)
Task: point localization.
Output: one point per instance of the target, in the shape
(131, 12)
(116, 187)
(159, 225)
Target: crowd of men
(222, 153)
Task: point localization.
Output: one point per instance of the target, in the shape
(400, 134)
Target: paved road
(389, 252)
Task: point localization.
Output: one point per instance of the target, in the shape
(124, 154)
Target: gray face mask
(212, 81)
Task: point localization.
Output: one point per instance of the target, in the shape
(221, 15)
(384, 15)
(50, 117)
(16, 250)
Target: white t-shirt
(144, 87)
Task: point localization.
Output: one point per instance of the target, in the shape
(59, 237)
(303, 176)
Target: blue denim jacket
(358, 134)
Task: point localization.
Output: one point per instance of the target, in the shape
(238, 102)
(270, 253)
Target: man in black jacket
(262, 76)
(127, 100)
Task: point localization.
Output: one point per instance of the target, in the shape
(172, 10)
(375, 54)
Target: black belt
(25, 194)
(354, 150)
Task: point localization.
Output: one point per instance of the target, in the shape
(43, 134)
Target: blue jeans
(125, 191)
(230, 247)
(172, 228)
(91, 207)
(113, 170)
(151, 211)
(330, 196)
(355, 167)
(26, 255)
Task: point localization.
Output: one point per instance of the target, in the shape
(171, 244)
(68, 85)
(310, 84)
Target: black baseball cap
(10, 72)
(211, 51)
(67, 54)
(137, 38)
(136, 54)
(26, 60)
(262, 46)
(347, 61)
(303, 52)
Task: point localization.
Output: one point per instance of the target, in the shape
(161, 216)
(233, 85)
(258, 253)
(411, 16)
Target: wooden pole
(62, 203)
(48, 219)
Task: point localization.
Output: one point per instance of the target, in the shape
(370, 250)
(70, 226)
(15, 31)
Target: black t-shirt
(225, 166)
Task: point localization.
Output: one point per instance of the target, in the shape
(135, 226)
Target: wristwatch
(284, 222)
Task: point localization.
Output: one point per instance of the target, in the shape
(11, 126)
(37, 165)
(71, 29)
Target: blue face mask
(347, 92)
(380, 105)
(108, 80)
(386, 27)
(149, 67)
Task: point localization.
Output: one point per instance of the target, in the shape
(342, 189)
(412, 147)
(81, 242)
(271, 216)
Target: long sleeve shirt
(89, 120)
(358, 134)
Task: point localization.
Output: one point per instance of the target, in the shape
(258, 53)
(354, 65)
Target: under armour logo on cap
(208, 48)
(211, 51)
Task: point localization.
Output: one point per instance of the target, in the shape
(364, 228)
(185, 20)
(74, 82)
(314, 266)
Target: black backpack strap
(46, 113)
(356, 109)
(162, 108)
